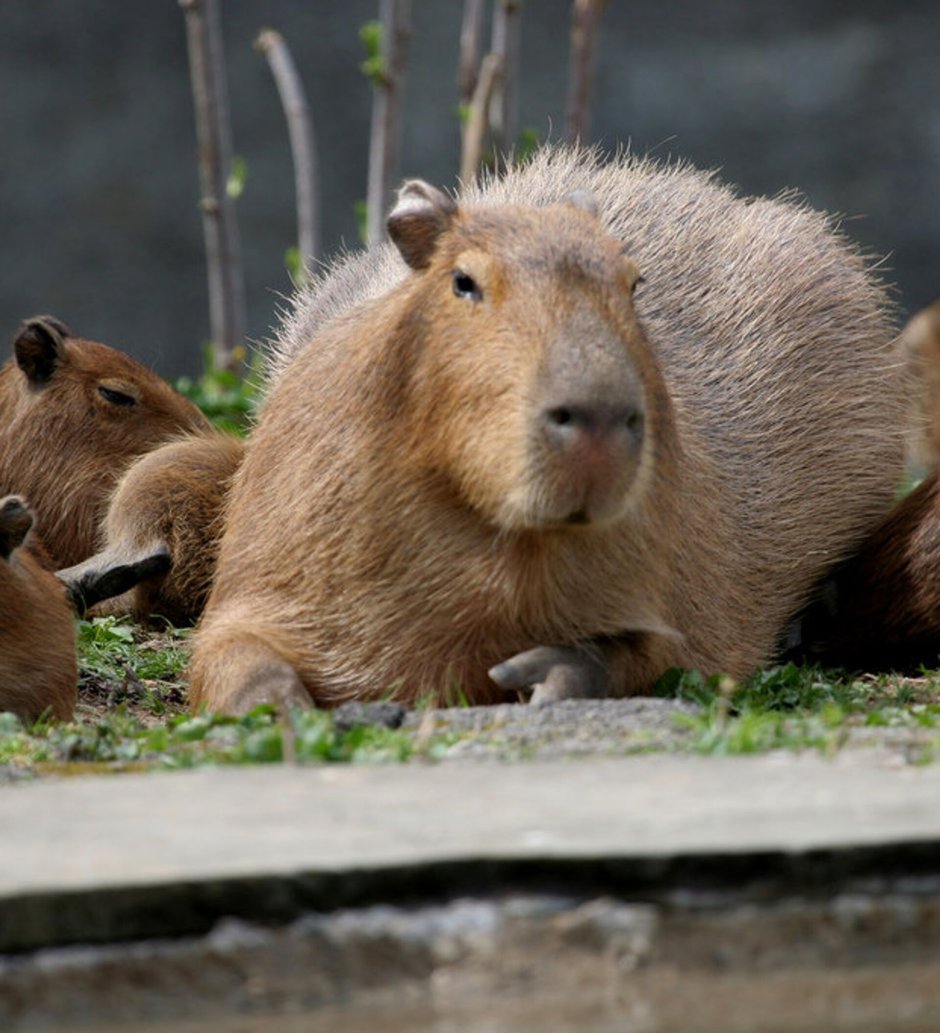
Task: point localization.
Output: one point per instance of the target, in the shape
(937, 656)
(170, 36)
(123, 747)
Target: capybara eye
(116, 397)
(466, 287)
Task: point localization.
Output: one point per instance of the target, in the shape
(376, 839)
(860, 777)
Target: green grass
(797, 708)
(121, 741)
(132, 716)
(229, 399)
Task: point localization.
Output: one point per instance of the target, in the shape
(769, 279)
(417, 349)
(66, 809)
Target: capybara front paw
(550, 673)
(106, 576)
(274, 681)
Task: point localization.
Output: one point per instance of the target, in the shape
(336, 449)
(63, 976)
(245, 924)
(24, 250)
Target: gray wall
(98, 183)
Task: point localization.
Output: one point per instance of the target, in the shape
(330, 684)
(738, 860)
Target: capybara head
(37, 635)
(521, 329)
(73, 414)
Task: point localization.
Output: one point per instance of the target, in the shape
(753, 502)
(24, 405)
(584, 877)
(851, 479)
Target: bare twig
(302, 141)
(470, 31)
(220, 228)
(585, 18)
(504, 107)
(395, 18)
(474, 130)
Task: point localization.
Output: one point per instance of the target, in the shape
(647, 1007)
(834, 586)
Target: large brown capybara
(483, 465)
(38, 671)
(73, 414)
(160, 533)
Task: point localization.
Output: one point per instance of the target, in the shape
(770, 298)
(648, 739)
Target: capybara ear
(419, 217)
(39, 346)
(584, 200)
(15, 522)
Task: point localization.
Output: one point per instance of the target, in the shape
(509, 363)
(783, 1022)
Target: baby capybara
(38, 671)
(493, 458)
(73, 414)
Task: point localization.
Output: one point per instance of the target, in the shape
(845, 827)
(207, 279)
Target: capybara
(73, 414)
(38, 670)
(879, 610)
(161, 532)
(484, 466)
(920, 344)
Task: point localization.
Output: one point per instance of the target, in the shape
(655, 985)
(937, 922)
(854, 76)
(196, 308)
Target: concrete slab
(98, 859)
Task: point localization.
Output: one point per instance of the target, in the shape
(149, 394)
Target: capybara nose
(575, 427)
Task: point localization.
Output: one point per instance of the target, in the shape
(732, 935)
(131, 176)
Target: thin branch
(474, 130)
(585, 18)
(395, 19)
(504, 106)
(471, 30)
(213, 134)
(302, 141)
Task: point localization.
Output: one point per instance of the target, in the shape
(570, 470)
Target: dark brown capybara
(73, 415)
(485, 465)
(38, 670)
(879, 610)
(920, 344)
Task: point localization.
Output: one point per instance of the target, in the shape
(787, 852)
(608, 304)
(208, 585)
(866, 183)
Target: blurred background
(98, 176)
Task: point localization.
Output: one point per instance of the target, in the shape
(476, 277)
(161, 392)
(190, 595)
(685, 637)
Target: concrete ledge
(101, 859)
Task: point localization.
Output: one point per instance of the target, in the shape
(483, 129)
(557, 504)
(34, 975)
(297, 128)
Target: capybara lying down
(495, 458)
(73, 414)
(161, 532)
(38, 671)
(880, 609)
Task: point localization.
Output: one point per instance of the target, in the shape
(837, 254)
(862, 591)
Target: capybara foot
(107, 575)
(551, 673)
(273, 681)
(15, 522)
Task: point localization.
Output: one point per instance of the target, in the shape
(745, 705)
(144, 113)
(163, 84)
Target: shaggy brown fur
(73, 414)
(920, 343)
(37, 630)
(168, 506)
(412, 511)
(880, 610)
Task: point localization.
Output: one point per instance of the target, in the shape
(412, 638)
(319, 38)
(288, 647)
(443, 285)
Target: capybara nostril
(569, 426)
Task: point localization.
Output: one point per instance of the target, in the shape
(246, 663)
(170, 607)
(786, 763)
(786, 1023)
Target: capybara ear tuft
(15, 522)
(38, 347)
(419, 217)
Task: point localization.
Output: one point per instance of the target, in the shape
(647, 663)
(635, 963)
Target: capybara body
(168, 504)
(38, 671)
(73, 414)
(920, 344)
(879, 610)
(502, 456)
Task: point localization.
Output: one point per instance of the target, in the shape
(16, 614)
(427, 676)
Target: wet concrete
(860, 961)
